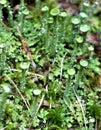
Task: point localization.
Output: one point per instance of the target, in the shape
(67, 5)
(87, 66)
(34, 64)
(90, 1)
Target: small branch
(42, 99)
(15, 86)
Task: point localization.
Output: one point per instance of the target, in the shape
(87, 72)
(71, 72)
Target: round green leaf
(83, 15)
(6, 87)
(1, 45)
(66, 75)
(84, 63)
(45, 8)
(71, 71)
(24, 65)
(91, 48)
(54, 12)
(75, 20)
(86, 4)
(84, 28)
(25, 11)
(0, 51)
(79, 39)
(63, 14)
(92, 120)
(37, 92)
(97, 70)
(3, 2)
(50, 20)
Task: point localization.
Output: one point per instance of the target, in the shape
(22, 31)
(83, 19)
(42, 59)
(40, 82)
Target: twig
(15, 70)
(25, 47)
(78, 99)
(29, 73)
(41, 101)
(15, 86)
(62, 65)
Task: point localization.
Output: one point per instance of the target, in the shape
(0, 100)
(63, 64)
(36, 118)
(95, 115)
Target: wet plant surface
(50, 70)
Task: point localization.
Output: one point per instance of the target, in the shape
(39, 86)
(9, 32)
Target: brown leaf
(93, 38)
(47, 104)
(81, 57)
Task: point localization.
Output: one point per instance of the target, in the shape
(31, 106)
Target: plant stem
(21, 16)
(62, 65)
(2, 104)
(1, 15)
(23, 80)
(10, 15)
(15, 86)
(78, 99)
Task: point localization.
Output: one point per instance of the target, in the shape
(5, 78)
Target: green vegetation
(49, 72)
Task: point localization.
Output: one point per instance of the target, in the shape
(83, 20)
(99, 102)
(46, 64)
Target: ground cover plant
(50, 71)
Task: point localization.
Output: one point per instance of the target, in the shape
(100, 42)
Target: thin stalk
(37, 7)
(10, 15)
(1, 15)
(23, 80)
(22, 2)
(2, 60)
(2, 104)
(16, 87)
(21, 16)
(70, 106)
(78, 99)
(62, 65)
(56, 38)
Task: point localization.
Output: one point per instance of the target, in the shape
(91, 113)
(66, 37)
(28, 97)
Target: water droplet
(56, 51)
